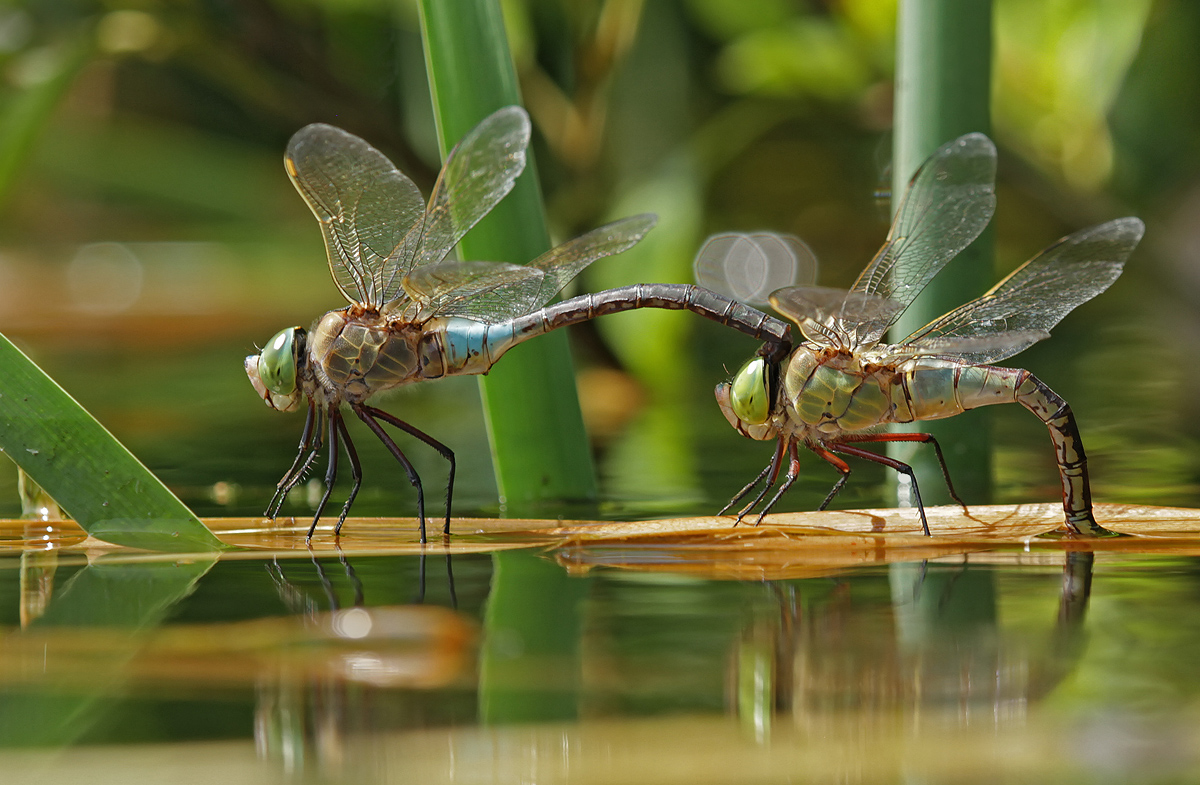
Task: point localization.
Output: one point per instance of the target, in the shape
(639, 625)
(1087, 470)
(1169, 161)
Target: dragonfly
(843, 381)
(414, 314)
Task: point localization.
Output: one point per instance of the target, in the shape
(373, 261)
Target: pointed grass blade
(91, 475)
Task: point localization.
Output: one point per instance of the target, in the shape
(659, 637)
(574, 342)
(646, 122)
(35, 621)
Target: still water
(535, 665)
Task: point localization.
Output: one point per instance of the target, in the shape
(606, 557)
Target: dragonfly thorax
(355, 354)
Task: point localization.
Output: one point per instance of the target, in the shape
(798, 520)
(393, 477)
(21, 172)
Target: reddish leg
(838, 464)
(772, 469)
(891, 463)
(924, 438)
(792, 473)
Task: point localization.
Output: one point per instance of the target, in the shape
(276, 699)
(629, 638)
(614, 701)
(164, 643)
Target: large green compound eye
(277, 366)
(749, 394)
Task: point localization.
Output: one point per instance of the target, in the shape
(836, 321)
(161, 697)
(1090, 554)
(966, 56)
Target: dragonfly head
(746, 401)
(274, 371)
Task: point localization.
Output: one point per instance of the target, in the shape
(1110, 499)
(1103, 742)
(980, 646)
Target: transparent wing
(557, 267)
(365, 205)
(444, 288)
(1022, 308)
(823, 313)
(749, 267)
(478, 173)
(1002, 344)
(948, 203)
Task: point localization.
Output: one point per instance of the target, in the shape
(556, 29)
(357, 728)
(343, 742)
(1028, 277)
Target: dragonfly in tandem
(843, 381)
(414, 314)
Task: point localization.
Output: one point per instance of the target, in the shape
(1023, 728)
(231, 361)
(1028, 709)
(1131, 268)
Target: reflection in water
(932, 652)
(920, 671)
(327, 722)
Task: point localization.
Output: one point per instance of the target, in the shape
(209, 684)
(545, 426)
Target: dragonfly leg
(770, 472)
(367, 415)
(792, 473)
(330, 474)
(442, 449)
(836, 463)
(923, 438)
(355, 472)
(891, 463)
(771, 468)
(305, 454)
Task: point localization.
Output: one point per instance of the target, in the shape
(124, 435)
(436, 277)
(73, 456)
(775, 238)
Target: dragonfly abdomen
(932, 389)
(673, 297)
(454, 345)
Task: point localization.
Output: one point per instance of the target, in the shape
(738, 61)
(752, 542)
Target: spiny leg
(365, 413)
(442, 449)
(355, 472)
(771, 473)
(330, 474)
(792, 473)
(838, 464)
(771, 468)
(924, 438)
(891, 463)
(305, 453)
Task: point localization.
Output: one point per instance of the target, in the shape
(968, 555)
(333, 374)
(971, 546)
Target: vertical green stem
(539, 446)
(943, 81)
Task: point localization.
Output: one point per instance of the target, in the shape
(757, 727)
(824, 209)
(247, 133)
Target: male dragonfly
(840, 384)
(413, 315)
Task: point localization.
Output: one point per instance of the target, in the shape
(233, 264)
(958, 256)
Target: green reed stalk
(943, 90)
(539, 445)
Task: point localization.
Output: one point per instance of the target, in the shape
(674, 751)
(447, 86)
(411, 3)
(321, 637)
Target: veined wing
(749, 267)
(1022, 308)
(823, 312)
(478, 173)
(439, 289)
(365, 205)
(555, 270)
(948, 203)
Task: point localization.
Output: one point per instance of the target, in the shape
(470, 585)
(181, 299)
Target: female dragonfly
(413, 315)
(842, 381)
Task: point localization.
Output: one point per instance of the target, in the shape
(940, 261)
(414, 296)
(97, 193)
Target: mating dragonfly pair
(415, 315)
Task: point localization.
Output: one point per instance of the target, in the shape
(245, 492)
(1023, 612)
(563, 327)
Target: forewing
(948, 203)
(1038, 294)
(749, 267)
(365, 205)
(557, 267)
(451, 288)
(478, 173)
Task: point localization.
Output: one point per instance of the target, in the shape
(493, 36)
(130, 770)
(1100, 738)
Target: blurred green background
(149, 236)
